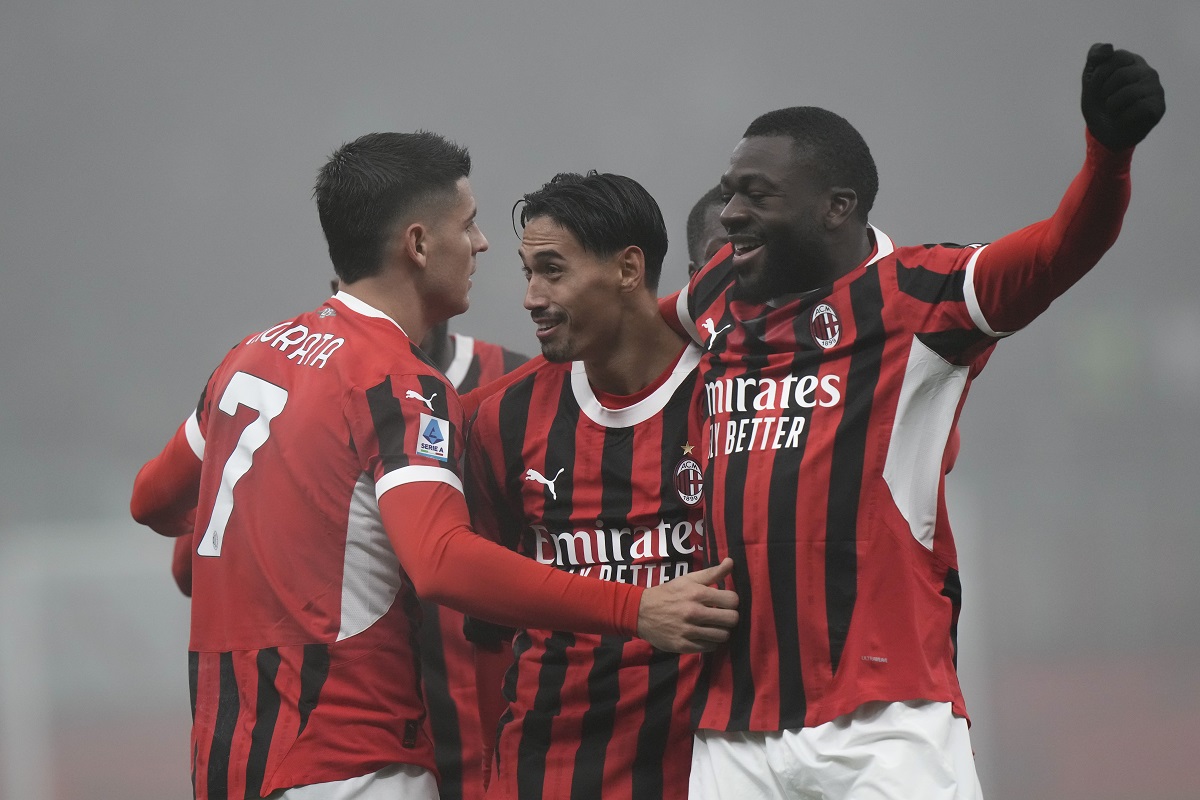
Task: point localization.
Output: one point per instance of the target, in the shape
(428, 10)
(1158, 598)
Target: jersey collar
(358, 306)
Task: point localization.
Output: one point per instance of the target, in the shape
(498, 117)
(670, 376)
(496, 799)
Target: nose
(482, 244)
(533, 296)
(734, 212)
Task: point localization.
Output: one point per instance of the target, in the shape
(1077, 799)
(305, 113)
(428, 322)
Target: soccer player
(323, 462)
(448, 675)
(590, 463)
(705, 233)
(836, 363)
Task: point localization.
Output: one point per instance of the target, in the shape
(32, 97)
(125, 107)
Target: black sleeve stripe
(956, 346)
(389, 424)
(929, 286)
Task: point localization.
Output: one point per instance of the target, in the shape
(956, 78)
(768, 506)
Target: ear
(842, 202)
(631, 263)
(414, 243)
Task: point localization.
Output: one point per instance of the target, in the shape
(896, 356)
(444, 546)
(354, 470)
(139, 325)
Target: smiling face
(776, 203)
(570, 294)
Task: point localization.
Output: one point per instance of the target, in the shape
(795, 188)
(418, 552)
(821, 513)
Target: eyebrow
(544, 255)
(745, 178)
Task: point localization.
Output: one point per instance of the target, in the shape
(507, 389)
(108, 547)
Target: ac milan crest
(825, 326)
(689, 481)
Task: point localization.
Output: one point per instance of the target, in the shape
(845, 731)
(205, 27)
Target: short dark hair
(695, 222)
(605, 212)
(837, 149)
(371, 183)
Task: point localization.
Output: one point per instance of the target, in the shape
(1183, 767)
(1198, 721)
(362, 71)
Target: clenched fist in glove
(1122, 96)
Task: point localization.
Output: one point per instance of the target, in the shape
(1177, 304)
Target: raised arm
(1016, 277)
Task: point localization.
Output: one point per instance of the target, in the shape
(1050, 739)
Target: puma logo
(534, 475)
(428, 401)
(710, 326)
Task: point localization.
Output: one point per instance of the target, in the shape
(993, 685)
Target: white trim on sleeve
(972, 299)
(417, 473)
(685, 316)
(191, 429)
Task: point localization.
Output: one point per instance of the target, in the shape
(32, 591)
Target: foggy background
(156, 165)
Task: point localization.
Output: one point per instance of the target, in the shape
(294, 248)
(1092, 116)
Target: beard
(776, 277)
(558, 351)
(792, 264)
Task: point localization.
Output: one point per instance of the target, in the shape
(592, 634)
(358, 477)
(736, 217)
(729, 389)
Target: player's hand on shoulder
(1122, 96)
(689, 614)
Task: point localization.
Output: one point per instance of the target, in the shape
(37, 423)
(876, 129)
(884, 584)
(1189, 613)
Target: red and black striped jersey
(447, 658)
(830, 414)
(614, 494)
(828, 417)
(304, 665)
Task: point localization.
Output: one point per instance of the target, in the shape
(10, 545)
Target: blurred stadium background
(156, 166)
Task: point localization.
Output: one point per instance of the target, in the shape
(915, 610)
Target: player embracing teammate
(832, 364)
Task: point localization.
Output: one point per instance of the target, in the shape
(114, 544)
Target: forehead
(464, 198)
(446, 206)
(774, 158)
(542, 234)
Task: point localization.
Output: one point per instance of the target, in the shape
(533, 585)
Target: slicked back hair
(370, 184)
(695, 222)
(605, 212)
(836, 148)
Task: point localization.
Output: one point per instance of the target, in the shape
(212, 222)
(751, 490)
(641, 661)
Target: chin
(557, 354)
(753, 288)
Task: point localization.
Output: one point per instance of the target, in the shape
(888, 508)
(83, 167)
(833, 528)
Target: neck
(849, 249)
(645, 347)
(439, 347)
(393, 295)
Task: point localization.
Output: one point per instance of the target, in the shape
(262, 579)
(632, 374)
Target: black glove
(1122, 96)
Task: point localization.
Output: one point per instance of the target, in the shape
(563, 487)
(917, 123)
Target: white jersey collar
(643, 409)
(367, 310)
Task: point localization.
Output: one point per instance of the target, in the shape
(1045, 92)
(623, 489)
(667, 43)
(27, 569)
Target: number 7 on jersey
(268, 400)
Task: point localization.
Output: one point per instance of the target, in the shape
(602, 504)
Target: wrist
(629, 612)
(1105, 158)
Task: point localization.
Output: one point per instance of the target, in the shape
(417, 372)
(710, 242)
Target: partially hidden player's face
(773, 215)
(712, 237)
(453, 241)
(570, 293)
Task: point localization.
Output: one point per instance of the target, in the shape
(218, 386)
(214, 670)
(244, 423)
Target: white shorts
(394, 781)
(879, 751)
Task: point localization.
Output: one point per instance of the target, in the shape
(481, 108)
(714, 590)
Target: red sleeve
(668, 307)
(450, 564)
(181, 563)
(166, 489)
(1016, 277)
(472, 399)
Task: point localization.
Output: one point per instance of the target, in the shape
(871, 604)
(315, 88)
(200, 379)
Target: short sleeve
(407, 429)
